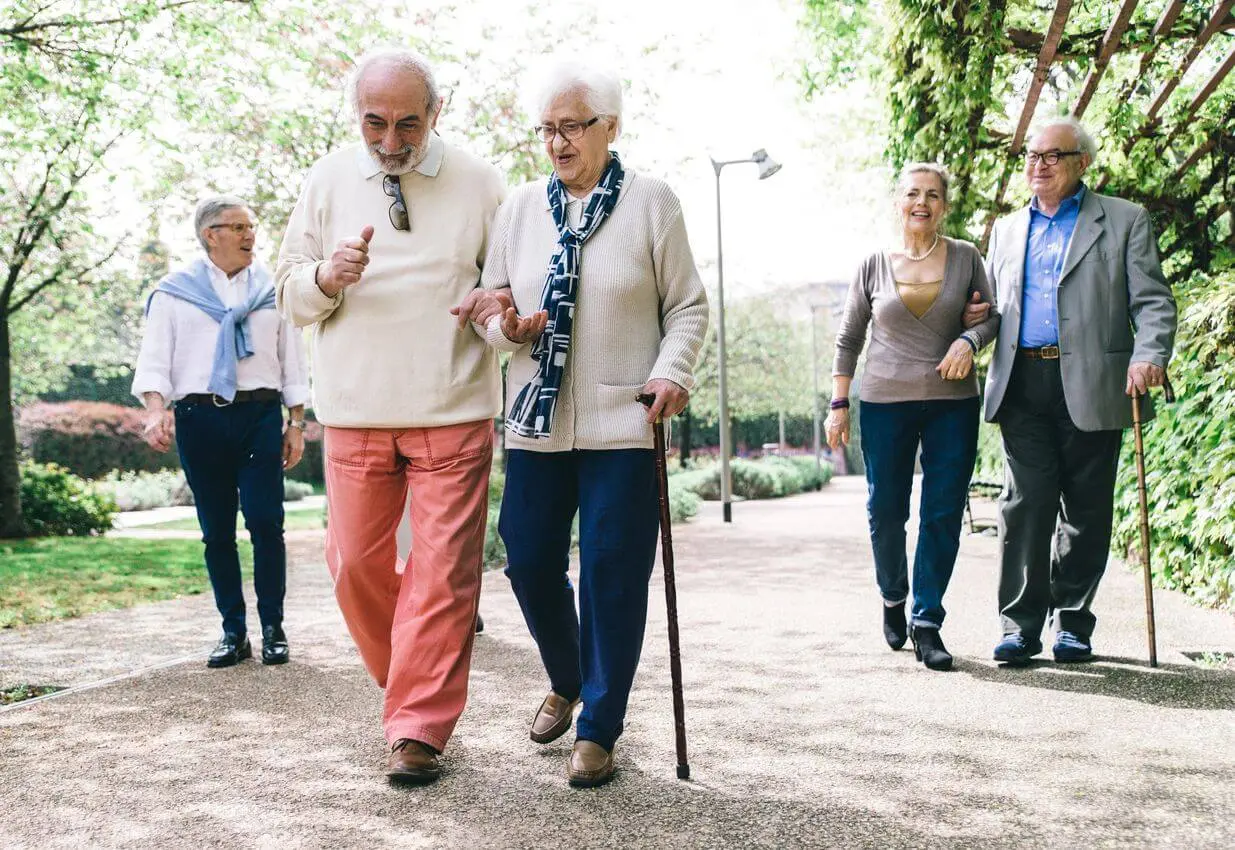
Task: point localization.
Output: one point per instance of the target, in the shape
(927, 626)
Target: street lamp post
(767, 167)
(814, 349)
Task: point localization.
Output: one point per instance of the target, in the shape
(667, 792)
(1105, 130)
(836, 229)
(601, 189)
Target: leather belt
(1046, 352)
(241, 397)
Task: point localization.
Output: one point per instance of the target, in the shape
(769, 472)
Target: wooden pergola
(1057, 45)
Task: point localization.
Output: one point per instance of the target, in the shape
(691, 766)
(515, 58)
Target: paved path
(805, 730)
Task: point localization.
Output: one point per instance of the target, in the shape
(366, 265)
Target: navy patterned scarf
(531, 415)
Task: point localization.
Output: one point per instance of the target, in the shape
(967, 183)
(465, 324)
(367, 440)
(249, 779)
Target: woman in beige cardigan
(619, 312)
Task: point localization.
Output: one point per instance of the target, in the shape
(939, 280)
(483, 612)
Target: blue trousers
(233, 457)
(595, 652)
(947, 431)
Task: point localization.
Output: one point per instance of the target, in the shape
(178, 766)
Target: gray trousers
(1056, 507)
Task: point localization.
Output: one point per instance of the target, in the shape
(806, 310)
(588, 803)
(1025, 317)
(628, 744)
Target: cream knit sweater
(641, 311)
(386, 351)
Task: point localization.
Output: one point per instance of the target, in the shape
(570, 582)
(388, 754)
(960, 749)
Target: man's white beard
(403, 162)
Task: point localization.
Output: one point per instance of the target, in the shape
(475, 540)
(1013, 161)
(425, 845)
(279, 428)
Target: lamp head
(767, 165)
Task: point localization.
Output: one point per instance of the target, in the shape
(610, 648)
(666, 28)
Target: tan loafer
(553, 718)
(590, 765)
(412, 763)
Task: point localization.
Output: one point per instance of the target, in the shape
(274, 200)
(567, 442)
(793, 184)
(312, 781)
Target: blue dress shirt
(1047, 246)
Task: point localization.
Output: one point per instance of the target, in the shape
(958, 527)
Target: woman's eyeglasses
(567, 129)
(398, 210)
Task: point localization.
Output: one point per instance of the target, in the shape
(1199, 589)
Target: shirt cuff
(146, 382)
(316, 300)
(295, 395)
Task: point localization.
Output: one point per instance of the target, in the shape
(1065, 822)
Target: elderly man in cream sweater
(386, 237)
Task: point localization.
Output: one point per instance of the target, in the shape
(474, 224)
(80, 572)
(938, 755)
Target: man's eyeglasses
(1048, 157)
(238, 229)
(567, 129)
(398, 210)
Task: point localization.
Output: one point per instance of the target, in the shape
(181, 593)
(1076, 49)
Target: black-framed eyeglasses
(238, 228)
(398, 210)
(567, 129)
(1048, 157)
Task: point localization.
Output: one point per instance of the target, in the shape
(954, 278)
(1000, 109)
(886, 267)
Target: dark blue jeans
(947, 430)
(233, 457)
(594, 653)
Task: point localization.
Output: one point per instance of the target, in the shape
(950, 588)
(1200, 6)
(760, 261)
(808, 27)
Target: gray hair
(1084, 141)
(925, 168)
(210, 210)
(400, 57)
(601, 88)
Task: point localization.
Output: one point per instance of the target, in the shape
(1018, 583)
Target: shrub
(294, 491)
(767, 478)
(683, 504)
(57, 503)
(143, 491)
(89, 438)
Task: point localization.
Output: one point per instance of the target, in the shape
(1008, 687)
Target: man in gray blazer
(1087, 317)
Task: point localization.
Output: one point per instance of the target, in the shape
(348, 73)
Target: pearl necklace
(934, 245)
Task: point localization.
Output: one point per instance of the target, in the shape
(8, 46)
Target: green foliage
(1190, 456)
(58, 504)
(143, 491)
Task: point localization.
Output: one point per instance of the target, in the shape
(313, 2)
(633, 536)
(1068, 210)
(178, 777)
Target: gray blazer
(1114, 307)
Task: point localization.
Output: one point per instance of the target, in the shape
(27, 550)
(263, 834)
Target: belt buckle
(214, 397)
(1049, 352)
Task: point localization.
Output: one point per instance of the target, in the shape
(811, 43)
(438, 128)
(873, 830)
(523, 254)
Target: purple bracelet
(839, 404)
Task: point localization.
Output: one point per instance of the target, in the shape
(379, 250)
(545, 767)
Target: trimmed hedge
(89, 438)
(770, 477)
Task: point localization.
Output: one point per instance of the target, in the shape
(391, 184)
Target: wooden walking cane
(671, 592)
(1169, 395)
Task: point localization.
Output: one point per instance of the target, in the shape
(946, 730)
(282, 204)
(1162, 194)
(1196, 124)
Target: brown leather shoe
(553, 718)
(590, 765)
(412, 763)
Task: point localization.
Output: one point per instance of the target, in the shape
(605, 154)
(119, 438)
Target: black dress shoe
(480, 624)
(232, 649)
(895, 629)
(929, 649)
(274, 645)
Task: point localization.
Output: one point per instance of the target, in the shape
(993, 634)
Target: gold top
(919, 297)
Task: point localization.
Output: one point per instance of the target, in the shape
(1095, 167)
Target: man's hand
(957, 363)
(837, 427)
(976, 311)
(293, 446)
(671, 398)
(159, 429)
(523, 330)
(481, 305)
(347, 264)
(1142, 376)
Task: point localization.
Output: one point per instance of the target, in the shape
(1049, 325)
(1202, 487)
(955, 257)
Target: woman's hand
(837, 427)
(957, 363)
(523, 329)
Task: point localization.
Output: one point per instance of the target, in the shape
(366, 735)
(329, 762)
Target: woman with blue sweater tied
(918, 389)
(602, 302)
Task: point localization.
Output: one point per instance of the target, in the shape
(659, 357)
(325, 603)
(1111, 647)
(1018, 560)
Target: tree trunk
(11, 522)
(684, 437)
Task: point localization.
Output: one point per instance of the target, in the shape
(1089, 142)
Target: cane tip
(683, 771)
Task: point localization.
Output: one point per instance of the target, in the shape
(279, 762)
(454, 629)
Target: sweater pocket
(619, 419)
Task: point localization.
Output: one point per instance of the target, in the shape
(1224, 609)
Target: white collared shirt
(177, 352)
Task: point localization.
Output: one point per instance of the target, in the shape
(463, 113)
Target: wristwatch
(296, 423)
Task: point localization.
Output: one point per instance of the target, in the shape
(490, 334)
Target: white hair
(399, 57)
(1084, 141)
(210, 210)
(601, 88)
(925, 168)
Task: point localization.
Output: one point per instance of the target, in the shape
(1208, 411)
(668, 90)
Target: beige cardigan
(386, 352)
(641, 311)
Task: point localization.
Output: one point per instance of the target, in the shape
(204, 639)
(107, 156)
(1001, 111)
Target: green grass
(19, 693)
(50, 578)
(294, 520)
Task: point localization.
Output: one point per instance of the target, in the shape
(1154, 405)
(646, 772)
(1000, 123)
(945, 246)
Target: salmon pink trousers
(414, 628)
